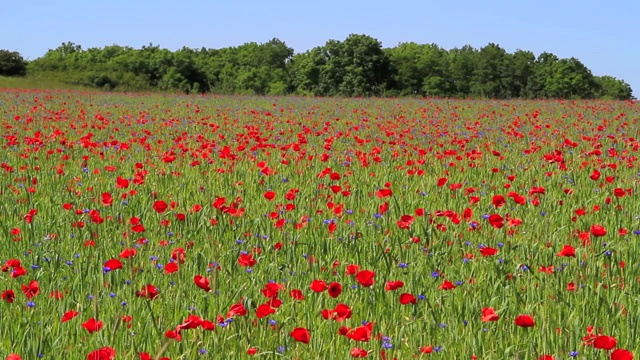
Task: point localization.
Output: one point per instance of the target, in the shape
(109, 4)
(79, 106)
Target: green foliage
(12, 64)
(569, 78)
(357, 66)
(613, 89)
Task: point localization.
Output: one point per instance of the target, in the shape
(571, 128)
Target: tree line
(357, 66)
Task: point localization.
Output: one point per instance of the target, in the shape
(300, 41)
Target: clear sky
(604, 35)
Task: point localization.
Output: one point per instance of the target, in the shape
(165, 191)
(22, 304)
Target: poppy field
(188, 227)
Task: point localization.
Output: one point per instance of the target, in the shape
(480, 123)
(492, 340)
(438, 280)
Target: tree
(569, 78)
(421, 69)
(542, 69)
(367, 69)
(304, 70)
(435, 67)
(492, 71)
(612, 88)
(408, 75)
(523, 63)
(12, 64)
(357, 66)
(463, 63)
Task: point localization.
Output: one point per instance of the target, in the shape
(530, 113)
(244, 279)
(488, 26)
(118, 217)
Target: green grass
(197, 151)
(35, 83)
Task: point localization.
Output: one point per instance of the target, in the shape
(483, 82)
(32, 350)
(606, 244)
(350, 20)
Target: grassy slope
(35, 83)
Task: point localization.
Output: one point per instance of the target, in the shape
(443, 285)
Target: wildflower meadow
(225, 227)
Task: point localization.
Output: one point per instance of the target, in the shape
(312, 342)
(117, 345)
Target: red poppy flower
(406, 298)
(341, 312)
(121, 183)
(246, 260)
(618, 192)
(301, 334)
(31, 290)
(148, 291)
(13, 357)
(446, 285)
(384, 192)
(128, 253)
(113, 264)
(252, 351)
(318, 286)
(192, 322)
(358, 353)
(272, 289)
(488, 251)
(269, 195)
(524, 321)
(361, 333)
(106, 353)
(11, 263)
(208, 325)
(160, 206)
(170, 268)
(237, 309)
(498, 201)
(489, 314)
(604, 342)
(92, 325)
(393, 285)
(173, 334)
(496, 221)
(405, 222)
(179, 255)
(352, 269)
(8, 296)
(202, 282)
(366, 278)
(621, 354)
(383, 208)
(106, 199)
(326, 314)
(546, 269)
(567, 250)
(264, 310)
(334, 289)
(68, 315)
(343, 330)
(598, 230)
(296, 294)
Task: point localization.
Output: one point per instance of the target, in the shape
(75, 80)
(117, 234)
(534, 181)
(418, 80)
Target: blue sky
(602, 34)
